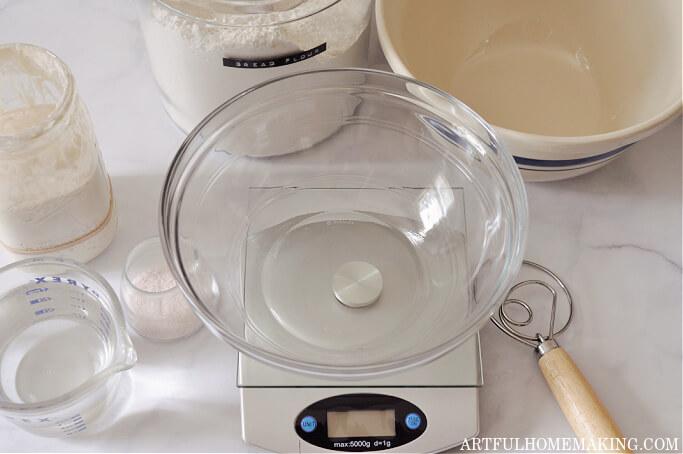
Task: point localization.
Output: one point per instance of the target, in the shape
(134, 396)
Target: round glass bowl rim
(99, 378)
(328, 4)
(43, 125)
(512, 262)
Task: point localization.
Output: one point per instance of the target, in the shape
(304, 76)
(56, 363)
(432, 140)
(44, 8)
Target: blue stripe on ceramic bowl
(560, 165)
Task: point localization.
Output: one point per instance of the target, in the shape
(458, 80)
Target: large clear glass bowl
(285, 183)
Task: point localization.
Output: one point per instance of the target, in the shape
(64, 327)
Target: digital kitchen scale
(348, 232)
(323, 284)
(425, 409)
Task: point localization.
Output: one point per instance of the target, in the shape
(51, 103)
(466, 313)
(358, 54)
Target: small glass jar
(205, 52)
(55, 194)
(155, 307)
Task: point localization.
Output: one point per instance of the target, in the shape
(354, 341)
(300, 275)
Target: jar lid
(246, 13)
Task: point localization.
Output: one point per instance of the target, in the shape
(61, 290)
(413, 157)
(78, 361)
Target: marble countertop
(613, 235)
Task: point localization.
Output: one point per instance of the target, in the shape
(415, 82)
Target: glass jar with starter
(55, 195)
(204, 52)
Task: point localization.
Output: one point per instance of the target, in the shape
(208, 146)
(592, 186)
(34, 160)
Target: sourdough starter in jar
(204, 52)
(55, 196)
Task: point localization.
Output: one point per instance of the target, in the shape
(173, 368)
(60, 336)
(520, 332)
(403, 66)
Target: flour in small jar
(165, 316)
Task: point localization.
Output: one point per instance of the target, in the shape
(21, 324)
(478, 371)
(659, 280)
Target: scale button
(308, 424)
(413, 421)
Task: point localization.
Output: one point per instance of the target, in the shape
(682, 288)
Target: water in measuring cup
(54, 336)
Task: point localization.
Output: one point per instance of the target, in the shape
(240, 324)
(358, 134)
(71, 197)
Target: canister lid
(246, 12)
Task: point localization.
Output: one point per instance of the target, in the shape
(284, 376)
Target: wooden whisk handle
(580, 404)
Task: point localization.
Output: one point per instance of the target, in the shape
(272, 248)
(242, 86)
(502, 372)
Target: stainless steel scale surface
(426, 409)
(306, 288)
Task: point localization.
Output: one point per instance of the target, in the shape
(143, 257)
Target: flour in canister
(54, 191)
(165, 316)
(187, 42)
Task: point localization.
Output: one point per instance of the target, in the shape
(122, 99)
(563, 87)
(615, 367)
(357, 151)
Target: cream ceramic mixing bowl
(568, 85)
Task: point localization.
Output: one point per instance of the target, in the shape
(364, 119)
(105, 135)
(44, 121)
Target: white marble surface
(613, 235)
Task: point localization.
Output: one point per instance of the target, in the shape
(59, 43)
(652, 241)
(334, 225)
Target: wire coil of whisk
(506, 323)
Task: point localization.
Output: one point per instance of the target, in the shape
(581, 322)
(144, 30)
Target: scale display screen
(361, 423)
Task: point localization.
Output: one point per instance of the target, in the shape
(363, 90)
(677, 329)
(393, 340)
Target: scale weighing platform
(429, 408)
(345, 286)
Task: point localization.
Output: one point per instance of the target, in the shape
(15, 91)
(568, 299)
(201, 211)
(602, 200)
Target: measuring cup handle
(581, 406)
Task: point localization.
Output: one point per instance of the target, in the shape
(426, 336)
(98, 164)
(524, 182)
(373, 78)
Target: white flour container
(204, 52)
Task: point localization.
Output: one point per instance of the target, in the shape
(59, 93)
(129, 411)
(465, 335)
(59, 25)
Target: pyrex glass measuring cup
(63, 342)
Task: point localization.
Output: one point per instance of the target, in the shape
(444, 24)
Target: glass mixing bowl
(344, 223)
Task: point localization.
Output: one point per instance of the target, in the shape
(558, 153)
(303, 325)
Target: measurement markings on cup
(40, 300)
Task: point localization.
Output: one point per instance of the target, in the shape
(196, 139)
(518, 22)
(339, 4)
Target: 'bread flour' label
(275, 61)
